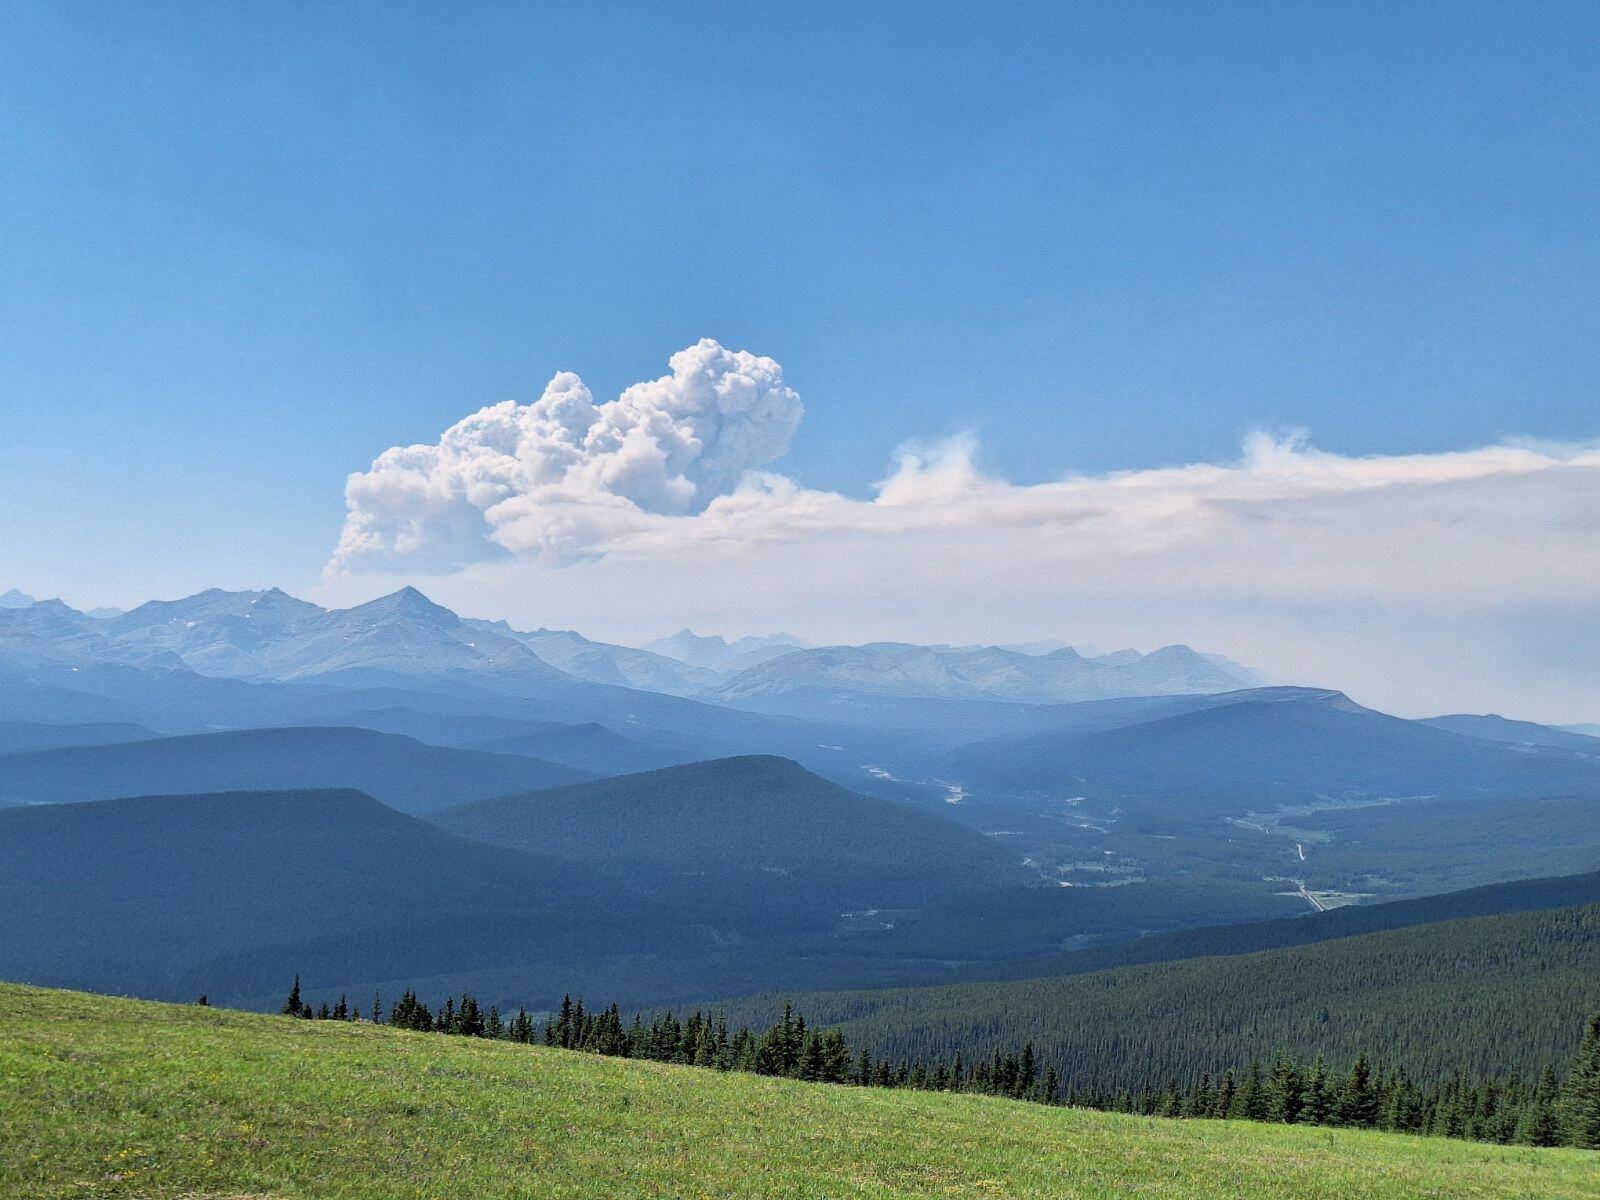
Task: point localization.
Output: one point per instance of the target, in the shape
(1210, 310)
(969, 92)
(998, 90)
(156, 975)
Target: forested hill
(1523, 895)
(401, 771)
(169, 895)
(749, 815)
(1493, 995)
(18, 737)
(1284, 745)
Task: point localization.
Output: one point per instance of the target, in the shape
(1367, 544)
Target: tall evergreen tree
(1284, 1095)
(1318, 1107)
(1579, 1104)
(1358, 1102)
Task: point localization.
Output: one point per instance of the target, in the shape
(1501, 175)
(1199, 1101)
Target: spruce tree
(1250, 1102)
(835, 1057)
(863, 1076)
(1358, 1103)
(1318, 1107)
(1227, 1095)
(293, 1004)
(1050, 1086)
(1284, 1095)
(1201, 1098)
(1579, 1105)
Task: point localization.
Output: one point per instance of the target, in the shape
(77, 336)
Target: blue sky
(249, 247)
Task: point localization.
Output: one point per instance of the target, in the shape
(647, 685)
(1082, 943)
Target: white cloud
(561, 477)
(1426, 580)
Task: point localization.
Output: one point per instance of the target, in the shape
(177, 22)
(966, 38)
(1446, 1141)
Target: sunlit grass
(115, 1098)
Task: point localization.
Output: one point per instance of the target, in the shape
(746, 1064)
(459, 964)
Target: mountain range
(715, 653)
(262, 636)
(602, 662)
(979, 673)
(770, 814)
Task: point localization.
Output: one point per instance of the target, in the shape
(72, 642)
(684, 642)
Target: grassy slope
(103, 1097)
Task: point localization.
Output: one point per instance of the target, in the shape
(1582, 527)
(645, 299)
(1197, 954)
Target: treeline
(1489, 997)
(1364, 1095)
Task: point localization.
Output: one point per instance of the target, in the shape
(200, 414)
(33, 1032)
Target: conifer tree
(1284, 1097)
(1579, 1103)
(1027, 1070)
(1049, 1086)
(1227, 1094)
(863, 1076)
(1358, 1102)
(293, 1004)
(1538, 1123)
(1249, 1102)
(1318, 1107)
(1201, 1099)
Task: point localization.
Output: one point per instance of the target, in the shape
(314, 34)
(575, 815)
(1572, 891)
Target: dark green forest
(1549, 1110)
(1495, 995)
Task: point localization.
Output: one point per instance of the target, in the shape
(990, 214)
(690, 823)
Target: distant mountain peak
(407, 603)
(714, 652)
(1176, 650)
(13, 598)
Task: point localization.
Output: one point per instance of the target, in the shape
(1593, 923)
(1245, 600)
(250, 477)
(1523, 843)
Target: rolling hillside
(1278, 746)
(400, 771)
(1491, 995)
(589, 746)
(1524, 895)
(121, 1098)
(1518, 733)
(752, 827)
(17, 737)
(166, 895)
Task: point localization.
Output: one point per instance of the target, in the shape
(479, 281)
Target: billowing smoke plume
(557, 478)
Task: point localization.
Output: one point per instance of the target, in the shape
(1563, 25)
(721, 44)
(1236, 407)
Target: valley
(393, 800)
(702, 601)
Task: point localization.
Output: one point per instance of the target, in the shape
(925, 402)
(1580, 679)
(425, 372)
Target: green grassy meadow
(103, 1097)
